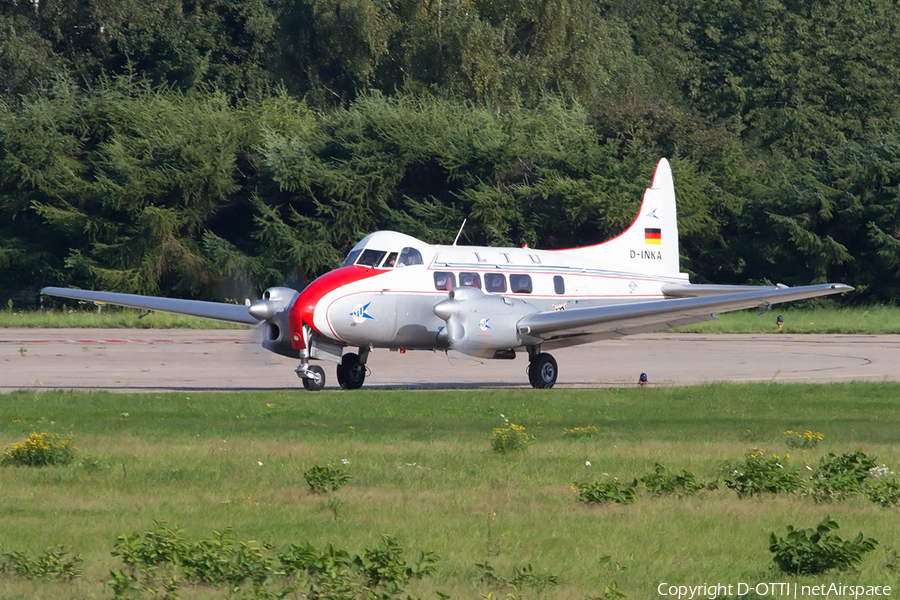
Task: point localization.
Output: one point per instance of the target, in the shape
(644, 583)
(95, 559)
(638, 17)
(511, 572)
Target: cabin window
(444, 281)
(495, 282)
(410, 256)
(390, 261)
(559, 286)
(370, 258)
(470, 280)
(520, 284)
(351, 258)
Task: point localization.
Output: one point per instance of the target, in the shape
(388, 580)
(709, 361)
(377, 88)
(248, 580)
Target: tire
(542, 371)
(350, 374)
(313, 385)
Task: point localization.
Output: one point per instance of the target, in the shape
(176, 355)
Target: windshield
(409, 256)
(370, 258)
(351, 258)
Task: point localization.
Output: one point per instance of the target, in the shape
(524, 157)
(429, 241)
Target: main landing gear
(351, 373)
(542, 368)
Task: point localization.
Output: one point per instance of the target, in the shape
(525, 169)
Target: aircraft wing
(693, 290)
(233, 313)
(597, 322)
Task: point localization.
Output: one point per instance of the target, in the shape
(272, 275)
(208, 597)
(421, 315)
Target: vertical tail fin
(650, 244)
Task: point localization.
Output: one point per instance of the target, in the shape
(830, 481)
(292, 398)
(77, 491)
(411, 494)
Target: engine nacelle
(274, 308)
(479, 324)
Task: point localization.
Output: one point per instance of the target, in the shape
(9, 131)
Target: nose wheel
(313, 378)
(542, 371)
(351, 373)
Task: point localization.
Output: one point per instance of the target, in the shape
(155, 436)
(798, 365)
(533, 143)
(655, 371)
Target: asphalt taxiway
(158, 359)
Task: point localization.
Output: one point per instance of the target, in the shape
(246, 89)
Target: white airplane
(394, 291)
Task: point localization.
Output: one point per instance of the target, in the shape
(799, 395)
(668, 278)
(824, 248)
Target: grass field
(864, 320)
(109, 317)
(422, 470)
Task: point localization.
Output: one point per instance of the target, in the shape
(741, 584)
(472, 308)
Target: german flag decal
(653, 236)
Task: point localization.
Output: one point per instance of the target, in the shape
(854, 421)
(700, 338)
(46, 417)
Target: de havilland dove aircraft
(396, 292)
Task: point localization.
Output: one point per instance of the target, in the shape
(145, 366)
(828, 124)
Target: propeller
(451, 311)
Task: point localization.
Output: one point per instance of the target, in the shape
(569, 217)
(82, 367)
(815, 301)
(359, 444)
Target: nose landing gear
(313, 376)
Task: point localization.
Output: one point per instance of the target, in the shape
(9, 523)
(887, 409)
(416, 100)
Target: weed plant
(581, 433)
(163, 559)
(814, 551)
(510, 437)
(325, 479)
(760, 474)
(885, 492)
(53, 563)
(839, 476)
(606, 492)
(662, 481)
(806, 439)
(41, 450)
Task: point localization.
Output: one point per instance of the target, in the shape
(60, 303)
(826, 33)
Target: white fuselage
(392, 306)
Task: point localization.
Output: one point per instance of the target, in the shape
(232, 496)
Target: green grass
(423, 471)
(111, 317)
(872, 320)
(864, 320)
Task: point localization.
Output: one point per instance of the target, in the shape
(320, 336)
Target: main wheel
(542, 371)
(350, 374)
(314, 385)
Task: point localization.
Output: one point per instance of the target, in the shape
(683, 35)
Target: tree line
(206, 149)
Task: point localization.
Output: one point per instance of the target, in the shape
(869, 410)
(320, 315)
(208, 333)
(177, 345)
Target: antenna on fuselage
(460, 232)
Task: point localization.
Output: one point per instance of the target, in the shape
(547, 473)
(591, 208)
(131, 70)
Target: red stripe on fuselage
(304, 308)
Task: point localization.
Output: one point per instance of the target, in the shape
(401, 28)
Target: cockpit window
(351, 258)
(390, 261)
(410, 256)
(371, 258)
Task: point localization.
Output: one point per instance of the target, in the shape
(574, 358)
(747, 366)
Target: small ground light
(642, 380)
(779, 321)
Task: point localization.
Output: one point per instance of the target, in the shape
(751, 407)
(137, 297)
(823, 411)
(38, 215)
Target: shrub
(41, 450)
(840, 476)
(758, 474)
(606, 492)
(807, 439)
(661, 481)
(885, 491)
(808, 551)
(385, 565)
(510, 438)
(521, 577)
(54, 563)
(325, 479)
(160, 561)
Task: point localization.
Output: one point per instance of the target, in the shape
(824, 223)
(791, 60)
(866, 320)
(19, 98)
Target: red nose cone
(304, 309)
